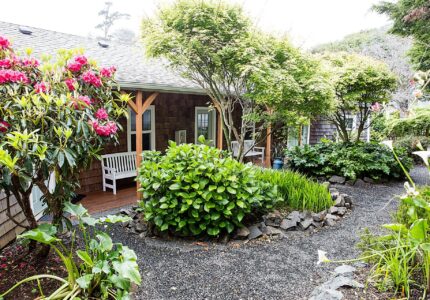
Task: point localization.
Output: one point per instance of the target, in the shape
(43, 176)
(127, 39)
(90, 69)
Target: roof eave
(160, 88)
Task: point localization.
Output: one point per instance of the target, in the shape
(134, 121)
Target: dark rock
(288, 224)
(125, 211)
(241, 233)
(318, 217)
(335, 195)
(254, 232)
(350, 182)
(224, 240)
(333, 190)
(368, 180)
(303, 225)
(331, 216)
(360, 183)
(272, 231)
(342, 281)
(337, 179)
(140, 227)
(143, 235)
(317, 224)
(273, 218)
(305, 215)
(348, 199)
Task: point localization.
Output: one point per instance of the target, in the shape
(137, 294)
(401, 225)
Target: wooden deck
(100, 201)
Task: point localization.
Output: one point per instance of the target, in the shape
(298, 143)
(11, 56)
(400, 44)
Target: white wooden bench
(117, 166)
(248, 148)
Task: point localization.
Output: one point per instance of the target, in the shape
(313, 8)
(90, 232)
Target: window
(205, 124)
(350, 122)
(148, 130)
(293, 136)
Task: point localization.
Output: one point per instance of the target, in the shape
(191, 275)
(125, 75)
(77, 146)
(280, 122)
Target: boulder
(341, 211)
(325, 294)
(337, 179)
(339, 201)
(326, 184)
(333, 210)
(334, 195)
(303, 225)
(318, 217)
(331, 216)
(254, 232)
(242, 233)
(318, 224)
(288, 224)
(348, 199)
(140, 227)
(360, 183)
(350, 182)
(368, 180)
(272, 231)
(342, 281)
(273, 218)
(294, 215)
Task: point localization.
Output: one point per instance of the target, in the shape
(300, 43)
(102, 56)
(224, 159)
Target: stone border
(274, 224)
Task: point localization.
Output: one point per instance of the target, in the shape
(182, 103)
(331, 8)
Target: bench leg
(104, 184)
(114, 185)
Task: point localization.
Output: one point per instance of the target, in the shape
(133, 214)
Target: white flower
(388, 143)
(322, 257)
(424, 155)
(410, 190)
(417, 93)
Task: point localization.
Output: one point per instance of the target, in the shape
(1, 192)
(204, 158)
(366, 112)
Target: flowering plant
(55, 118)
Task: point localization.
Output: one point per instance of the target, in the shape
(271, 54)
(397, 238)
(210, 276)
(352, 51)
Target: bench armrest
(259, 149)
(109, 170)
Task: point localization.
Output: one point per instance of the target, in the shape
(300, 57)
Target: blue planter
(278, 164)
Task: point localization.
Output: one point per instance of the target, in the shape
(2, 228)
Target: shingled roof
(134, 70)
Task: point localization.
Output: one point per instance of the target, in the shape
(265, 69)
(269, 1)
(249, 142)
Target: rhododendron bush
(55, 117)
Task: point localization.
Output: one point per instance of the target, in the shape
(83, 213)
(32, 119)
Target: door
(296, 133)
(148, 130)
(205, 125)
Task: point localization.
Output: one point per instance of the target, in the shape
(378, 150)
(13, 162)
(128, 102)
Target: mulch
(16, 264)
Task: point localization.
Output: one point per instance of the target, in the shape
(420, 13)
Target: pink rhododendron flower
(5, 63)
(12, 76)
(91, 78)
(4, 43)
(77, 63)
(104, 130)
(4, 126)
(107, 72)
(30, 62)
(77, 102)
(375, 107)
(3, 266)
(70, 83)
(101, 114)
(41, 87)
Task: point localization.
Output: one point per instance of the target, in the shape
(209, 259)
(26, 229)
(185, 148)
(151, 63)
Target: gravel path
(284, 269)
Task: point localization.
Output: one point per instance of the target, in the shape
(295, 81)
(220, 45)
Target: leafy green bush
(410, 142)
(104, 270)
(297, 191)
(351, 160)
(195, 189)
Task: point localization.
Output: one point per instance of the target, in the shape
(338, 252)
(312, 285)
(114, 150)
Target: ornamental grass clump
(297, 191)
(197, 189)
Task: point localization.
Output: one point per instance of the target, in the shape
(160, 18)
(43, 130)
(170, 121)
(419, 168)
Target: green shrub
(351, 160)
(410, 142)
(297, 191)
(195, 189)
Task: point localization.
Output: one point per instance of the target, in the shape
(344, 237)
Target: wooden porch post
(140, 107)
(268, 159)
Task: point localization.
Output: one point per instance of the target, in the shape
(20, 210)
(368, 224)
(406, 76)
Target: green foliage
(416, 124)
(214, 44)
(359, 83)
(297, 191)
(410, 144)
(348, 160)
(105, 270)
(411, 18)
(197, 189)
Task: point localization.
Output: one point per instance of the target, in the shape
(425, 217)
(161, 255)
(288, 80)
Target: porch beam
(132, 105)
(149, 101)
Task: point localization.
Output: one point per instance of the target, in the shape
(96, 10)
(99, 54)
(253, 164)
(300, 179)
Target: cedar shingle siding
(321, 128)
(8, 229)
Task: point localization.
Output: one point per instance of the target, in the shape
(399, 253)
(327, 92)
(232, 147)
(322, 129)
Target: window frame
(213, 123)
(151, 108)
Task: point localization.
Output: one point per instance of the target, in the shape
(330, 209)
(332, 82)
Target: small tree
(55, 118)
(242, 71)
(109, 18)
(362, 85)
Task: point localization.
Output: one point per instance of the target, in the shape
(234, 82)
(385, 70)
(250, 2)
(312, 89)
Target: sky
(306, 22)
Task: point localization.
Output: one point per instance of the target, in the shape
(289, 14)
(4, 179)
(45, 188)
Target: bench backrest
(247, 146)
(121, 162)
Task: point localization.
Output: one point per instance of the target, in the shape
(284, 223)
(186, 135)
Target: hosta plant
(197, 189)
(97, 269)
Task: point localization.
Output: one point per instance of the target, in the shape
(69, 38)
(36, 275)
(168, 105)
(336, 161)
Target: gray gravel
(284, 269)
